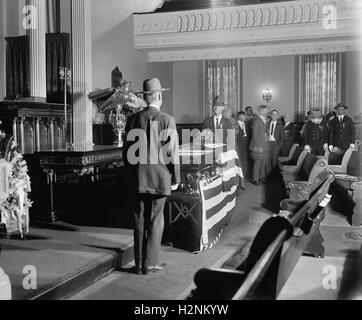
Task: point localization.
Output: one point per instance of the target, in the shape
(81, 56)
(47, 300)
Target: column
(5, 286)
(38, 51)
(82, 73)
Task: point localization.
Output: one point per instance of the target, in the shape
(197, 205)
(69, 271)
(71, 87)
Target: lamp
(267, 95)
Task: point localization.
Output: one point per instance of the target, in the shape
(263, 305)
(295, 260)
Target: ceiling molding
(283, 28)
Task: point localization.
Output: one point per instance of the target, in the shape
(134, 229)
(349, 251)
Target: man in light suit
(276, 133)
(151, 155)
(222, 127)
(259, 146)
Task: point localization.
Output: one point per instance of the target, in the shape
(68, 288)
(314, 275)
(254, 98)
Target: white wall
(275, 73)
(188, 92)
(353, 84)
(113, 45)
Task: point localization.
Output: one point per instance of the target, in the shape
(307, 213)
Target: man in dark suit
(342, 134)
(276, 137)
(222, 128)
(291, 135)
(242, 141)
(151, 155)
(259, 146)
(315, 134)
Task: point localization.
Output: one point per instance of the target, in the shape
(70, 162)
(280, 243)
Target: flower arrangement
(123, 104)
(15, 208)
(205, 137)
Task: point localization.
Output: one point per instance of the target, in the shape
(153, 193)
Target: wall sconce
(267, 95)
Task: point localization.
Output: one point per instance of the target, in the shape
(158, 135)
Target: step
(65, 259)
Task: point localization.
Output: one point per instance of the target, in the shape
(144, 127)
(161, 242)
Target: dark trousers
(259, 166)
(148, 229)
(274, 154)
(243, 153)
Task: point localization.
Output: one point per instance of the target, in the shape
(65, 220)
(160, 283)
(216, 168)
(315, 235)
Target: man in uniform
(151, 155)
(342, 133)
(315, 134)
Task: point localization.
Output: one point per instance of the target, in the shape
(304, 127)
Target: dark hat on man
(152, 86)
(217, 102)
(340, 105)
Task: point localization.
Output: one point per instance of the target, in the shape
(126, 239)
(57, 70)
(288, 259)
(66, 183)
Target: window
(319, 83)
(223, 79)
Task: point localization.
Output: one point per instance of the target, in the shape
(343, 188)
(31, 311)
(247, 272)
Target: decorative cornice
(304, 21)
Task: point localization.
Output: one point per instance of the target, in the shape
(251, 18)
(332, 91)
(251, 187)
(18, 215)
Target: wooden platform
(66, 259)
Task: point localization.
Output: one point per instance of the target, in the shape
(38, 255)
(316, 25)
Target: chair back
(307, 166)
(354, 167)
(296, 155)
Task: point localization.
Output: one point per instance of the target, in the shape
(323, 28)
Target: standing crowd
(265, 135)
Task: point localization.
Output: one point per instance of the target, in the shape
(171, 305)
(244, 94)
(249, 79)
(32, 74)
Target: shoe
(157, 268)
(137, 270)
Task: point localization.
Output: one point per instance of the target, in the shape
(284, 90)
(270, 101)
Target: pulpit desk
(79, 161)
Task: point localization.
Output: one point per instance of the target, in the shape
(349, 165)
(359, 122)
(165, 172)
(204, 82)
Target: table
(79, 161)
(196, 215)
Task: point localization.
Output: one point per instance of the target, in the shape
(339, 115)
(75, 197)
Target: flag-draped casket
(197, 215)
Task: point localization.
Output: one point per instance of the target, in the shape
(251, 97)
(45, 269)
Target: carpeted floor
(58, 254)
(176, 282)
(309, 280)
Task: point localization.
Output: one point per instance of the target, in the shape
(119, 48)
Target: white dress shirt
(273, 126)
(217, 122)
(243, 127)
(340, 118)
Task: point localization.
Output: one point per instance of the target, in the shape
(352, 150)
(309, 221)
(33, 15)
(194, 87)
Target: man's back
(151, 152)
(258, 139)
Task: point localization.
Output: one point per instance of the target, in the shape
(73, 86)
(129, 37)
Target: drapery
(58, 55)
(319, 83)
(17, 67)
(53, 16)
(222, 80)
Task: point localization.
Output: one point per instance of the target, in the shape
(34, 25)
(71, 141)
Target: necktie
(272, 130)
(217, 123)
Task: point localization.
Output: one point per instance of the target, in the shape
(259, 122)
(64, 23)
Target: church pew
(279, 244)
(306, 169)
(304, 184)
(347, 190)
(292, 167)
(293, 156)
(338, 161)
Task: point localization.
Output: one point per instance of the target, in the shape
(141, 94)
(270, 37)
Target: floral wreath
(14, 210)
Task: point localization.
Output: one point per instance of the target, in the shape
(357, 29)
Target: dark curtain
(17, 67)
(58, 55)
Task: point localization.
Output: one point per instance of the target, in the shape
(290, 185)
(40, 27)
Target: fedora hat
(217, 102)
(340, 105)
(151, 86)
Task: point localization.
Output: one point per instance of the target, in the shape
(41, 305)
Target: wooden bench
(347, 190)
(279, 244)
(293, 157)
(338, 161)
(304, 174)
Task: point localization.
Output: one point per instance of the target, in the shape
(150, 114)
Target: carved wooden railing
(280, 21)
